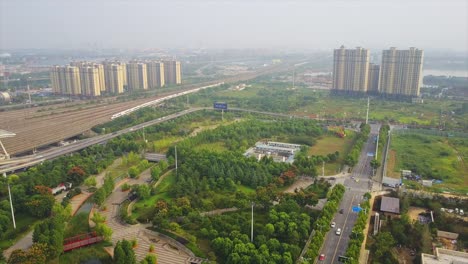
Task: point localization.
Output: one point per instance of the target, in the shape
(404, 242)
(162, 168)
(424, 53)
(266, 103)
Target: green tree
(90, 181)
(143, 191)
(375, 164)
(150, 259)
(99, 196)
(50, 232)
(76, 175)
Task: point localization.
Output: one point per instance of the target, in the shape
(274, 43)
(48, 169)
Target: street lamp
(5, 134)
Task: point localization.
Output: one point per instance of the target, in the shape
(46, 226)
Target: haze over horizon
(300, 24)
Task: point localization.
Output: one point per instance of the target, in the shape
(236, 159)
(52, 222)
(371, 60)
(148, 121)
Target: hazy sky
(300, 24)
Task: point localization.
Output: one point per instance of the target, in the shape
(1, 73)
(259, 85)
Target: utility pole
(11, 202)
(175, 147)
(367, 114)
(29, 96)
(251, 227)
(294, 77)
(323, 168)
(7, 157)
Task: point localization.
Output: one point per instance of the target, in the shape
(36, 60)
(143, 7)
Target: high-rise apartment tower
(137, 76)
(172, 72)
(114, 74)
(400, 72)
(155, 74)
(350, 69)
(373, 78)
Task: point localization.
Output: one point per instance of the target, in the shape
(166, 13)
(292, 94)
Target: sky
(258, 24)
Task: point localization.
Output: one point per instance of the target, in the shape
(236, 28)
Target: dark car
(341, 211)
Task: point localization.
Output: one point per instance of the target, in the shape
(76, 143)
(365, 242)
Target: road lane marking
(346, 219)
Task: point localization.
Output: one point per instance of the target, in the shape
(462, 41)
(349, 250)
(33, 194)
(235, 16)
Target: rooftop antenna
(367, 113)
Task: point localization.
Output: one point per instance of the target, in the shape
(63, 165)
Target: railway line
(41, 126)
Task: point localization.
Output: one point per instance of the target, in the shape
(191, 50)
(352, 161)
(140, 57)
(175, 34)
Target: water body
(455, 73)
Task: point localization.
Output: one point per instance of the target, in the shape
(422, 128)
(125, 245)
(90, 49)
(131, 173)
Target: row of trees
(203, 170)
(357, 235)
(124, 254)
(102, 193)
(276, 241)
(47, 239)
(323, 222)
(242, 135)
(361, 138)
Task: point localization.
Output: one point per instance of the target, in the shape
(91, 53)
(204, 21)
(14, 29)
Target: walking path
(166, 251)
(26, 242)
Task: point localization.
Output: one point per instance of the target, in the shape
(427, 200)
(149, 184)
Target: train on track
(160, 100)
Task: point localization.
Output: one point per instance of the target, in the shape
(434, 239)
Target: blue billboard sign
(220, 105)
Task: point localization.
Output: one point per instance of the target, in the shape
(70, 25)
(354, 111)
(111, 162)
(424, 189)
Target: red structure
(80, 241)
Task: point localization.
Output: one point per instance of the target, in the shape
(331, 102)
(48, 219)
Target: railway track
(41, 126)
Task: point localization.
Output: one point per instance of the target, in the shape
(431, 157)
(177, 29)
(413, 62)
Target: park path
(166, 251)
(26, 241)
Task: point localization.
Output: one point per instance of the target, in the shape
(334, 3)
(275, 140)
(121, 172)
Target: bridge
(81, 241)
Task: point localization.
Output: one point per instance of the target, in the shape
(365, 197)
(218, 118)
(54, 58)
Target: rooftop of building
(390, 204)
(445, 256)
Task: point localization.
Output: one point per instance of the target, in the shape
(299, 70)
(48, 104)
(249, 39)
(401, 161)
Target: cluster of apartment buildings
(399, 74)
(113, 77)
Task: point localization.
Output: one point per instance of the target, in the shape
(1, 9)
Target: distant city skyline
(299, 24)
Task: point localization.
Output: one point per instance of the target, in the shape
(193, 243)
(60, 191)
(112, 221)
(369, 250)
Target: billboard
(220, 105)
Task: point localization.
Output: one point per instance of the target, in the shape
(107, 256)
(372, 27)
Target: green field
(269, 96)
(327, 144)
(432, 157)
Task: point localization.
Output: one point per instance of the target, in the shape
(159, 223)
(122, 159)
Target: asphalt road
(28, 161)
(357, 184)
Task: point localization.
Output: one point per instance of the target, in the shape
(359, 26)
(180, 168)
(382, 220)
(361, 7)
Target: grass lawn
(432, 157)
(78, 224)
(329, 144)
(245, 189)
(24, 223)
(215, 147)
(141, 205)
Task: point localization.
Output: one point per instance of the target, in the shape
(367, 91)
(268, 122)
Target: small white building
(426, 183)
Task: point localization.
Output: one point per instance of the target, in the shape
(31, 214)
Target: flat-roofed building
(350, 69)
(390, 205)
(172, 72)
(55, 79)
(114, 75)
(445, 256)
(373, 78)
(137, 76)
(90, 80)
(155, 74)
(401, 72)
(72, 80)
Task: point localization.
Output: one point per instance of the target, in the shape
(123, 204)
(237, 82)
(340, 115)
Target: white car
(332, 225)
(338, 232)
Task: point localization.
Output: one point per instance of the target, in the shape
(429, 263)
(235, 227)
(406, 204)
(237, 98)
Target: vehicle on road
(341, 211)
(333, 224)
(338, 232)
(322, 257)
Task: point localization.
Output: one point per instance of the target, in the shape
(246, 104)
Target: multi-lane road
(358, 183)
(28, 161)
